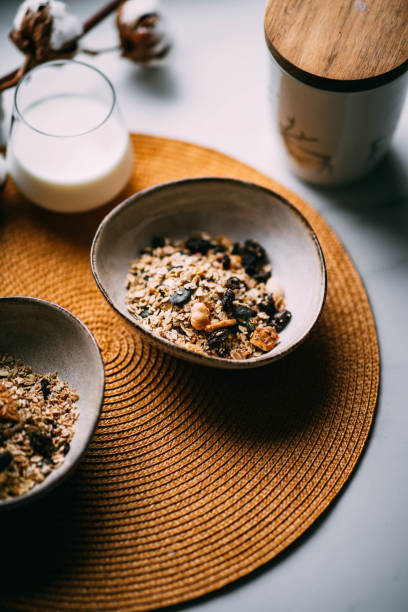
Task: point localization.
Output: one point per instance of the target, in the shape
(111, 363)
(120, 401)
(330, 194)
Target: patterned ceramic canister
(336, 105)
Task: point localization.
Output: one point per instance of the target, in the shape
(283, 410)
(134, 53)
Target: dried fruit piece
(243, 312)
(264, 338)
(253, 247)
(5, 459)
(227, 300)
(181, 296)
(198, 245)
(262, 277)
(217, 337)
(281, 319)
(226, 262)
(250, 328)
(250, 263)
(268, 305)
(200, 316)
(157, 241)
(45, 388)
(41, 443)
(233, 282)
(253, 257)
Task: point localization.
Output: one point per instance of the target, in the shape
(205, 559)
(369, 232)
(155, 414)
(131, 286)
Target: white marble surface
(214, 92)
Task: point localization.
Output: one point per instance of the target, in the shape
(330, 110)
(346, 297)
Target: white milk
(84, 164)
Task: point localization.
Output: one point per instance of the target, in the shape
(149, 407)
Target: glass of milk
(68, 149)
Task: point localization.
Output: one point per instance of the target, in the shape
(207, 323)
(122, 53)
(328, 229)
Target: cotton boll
(65, 27)
(45, 30)
(142, 31)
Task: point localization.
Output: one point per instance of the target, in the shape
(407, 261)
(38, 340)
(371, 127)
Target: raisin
(226, 262)
(45, 388)
(253, 247)
(236, 248)
(233, 282)
(144, 313)
(268, 305)
(250, 328)
(217, 337)
(181, 296)
(227, 300)
(243, 312)
(249, 262)
(281, 319)
(5, 459)
(219, 248)
(198, 245)
(261, 277)
(157, 241)
(253, 257)
(41, 443)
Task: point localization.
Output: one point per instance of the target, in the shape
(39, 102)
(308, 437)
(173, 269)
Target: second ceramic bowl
(49, 338)
(237, 209)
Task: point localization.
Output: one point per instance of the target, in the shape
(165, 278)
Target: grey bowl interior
(47, 337)
(237, 209)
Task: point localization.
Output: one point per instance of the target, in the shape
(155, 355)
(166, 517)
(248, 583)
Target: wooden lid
(342, 45)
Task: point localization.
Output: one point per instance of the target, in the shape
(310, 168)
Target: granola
(209, 295)
(37, 422)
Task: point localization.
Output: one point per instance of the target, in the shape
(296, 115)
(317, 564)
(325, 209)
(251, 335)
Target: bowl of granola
(51, 393)
(216, 271)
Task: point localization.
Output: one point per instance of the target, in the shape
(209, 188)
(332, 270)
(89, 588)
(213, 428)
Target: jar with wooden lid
(340, 75)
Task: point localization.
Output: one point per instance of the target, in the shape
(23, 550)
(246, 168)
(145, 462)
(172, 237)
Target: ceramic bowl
(237, 209)
(48, 338)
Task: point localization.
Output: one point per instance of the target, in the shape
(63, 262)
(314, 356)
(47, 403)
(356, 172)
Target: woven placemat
(195, 477)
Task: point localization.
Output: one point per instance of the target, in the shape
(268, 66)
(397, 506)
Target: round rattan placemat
(194, 477)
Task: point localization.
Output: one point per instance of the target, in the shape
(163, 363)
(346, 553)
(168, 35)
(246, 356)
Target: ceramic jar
(339, 83)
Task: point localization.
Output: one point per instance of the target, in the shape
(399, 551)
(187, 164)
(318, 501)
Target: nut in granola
(200, 315)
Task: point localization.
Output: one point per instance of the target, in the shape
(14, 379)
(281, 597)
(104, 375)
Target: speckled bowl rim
(65, 470)
(170, 347)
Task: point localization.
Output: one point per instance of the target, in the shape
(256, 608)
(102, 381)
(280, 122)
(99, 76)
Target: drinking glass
(68, 148)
